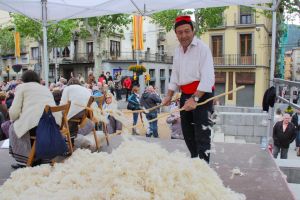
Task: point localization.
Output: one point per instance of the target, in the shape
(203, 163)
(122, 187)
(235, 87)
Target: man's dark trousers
(196, 127)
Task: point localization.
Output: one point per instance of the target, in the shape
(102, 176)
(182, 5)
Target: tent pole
(274, 22)
(272, 69)
(45, 49)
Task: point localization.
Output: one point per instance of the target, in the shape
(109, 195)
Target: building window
(170, 73)
(161, 49)
(217, 45)
(245, 44)
(51, 72)
(162, 73)
(162, 86)
(89, 51)
(34, 53)
(152, 72)
(66, 52)
(217, 49)
(245, 15)
(115, 49)
(246, 56)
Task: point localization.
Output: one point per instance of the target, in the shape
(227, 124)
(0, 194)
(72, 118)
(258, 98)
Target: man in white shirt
(193, 74)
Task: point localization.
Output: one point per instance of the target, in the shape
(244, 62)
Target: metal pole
(274, 22)
(272, 69)
(45, 50)
(55, 54)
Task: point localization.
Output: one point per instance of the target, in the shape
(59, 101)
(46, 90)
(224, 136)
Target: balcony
(83, 58)
(143, 56)
(123, 57)
(235, 60)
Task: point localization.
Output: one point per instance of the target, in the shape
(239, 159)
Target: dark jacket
(283, 139)
(135, 100)
(269, 98)
(150, 100)
(295, 121)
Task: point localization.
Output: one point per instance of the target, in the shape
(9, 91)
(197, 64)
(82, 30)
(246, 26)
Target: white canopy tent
(55, 10)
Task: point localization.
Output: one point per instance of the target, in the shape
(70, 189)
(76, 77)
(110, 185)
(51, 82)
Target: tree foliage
(166, 18)
(204, 18)
(7, 44)
(104, 26)
(59, 34)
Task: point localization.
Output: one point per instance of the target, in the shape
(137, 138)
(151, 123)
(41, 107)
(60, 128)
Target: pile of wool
(136, 170)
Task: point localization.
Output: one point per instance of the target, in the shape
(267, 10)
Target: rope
(166, 114)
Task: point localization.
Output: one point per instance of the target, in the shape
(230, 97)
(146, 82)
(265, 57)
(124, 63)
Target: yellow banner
(17, 44)
(138, 40)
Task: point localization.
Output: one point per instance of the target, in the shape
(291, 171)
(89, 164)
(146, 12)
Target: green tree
(7, 45)
(204, 18)
(100, 28)
(58, 34)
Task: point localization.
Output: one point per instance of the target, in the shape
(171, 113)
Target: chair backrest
(99, 100)
(62, 108)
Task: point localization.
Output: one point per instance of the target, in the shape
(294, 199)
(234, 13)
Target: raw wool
(236, 172)
(136, 170)
(88, 141)
(97, 113)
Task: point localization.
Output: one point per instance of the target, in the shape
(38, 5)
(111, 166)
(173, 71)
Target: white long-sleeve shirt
(196, 64)
(79, 97)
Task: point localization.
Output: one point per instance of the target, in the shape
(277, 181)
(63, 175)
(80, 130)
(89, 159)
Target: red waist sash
(190, 88)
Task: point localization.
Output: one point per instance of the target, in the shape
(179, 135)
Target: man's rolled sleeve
(173, 85)
(207, 72)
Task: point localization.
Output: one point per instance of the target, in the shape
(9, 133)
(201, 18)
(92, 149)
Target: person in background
(108, 77)
(278, 115)
(296, 122)
(57, 95)
(174, 119)
(111, 87)
(135, 79)
(127, 85)
(80, 78)
(284, 133)
(102, 78)
(118, 85)
(9, 99)
(135, 100)
(149, 100)
(111, 104)
(91, 78)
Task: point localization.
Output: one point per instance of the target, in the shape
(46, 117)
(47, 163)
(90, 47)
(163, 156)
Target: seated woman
(111, 104)
(78, 96)
(26, 110)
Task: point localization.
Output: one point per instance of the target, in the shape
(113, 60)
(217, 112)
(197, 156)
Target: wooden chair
(88, 114)
(100, 101)
(64, 129)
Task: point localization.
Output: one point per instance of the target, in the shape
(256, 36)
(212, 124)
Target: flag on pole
(138, 40)
(17, 44)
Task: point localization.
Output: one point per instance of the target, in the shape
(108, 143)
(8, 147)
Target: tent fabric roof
(67, 9)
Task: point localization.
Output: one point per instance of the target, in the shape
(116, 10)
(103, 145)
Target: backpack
(49, 141)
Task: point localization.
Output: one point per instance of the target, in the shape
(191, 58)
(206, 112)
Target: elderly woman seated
(26, 110)
(111, 104)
